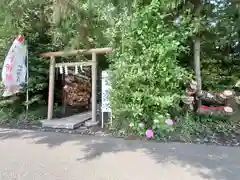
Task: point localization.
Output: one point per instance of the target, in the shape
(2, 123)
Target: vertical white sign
(105, 92)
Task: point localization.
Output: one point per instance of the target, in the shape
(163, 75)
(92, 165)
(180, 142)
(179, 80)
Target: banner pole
(27, 92)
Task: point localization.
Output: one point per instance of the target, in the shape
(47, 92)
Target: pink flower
(169, 122)
(149, 133)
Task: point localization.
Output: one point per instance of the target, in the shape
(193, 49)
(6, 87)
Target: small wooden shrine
(84, 90)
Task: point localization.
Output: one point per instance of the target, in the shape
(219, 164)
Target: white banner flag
(14, 67)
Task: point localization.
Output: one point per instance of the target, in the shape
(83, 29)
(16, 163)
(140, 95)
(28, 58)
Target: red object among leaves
(20, 38)
(213, 107)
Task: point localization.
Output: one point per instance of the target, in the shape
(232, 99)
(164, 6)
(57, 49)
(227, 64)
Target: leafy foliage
(146, 79)
(153, 44)
(152, 58)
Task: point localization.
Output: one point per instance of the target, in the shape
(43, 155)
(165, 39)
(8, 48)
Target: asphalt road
(29, 155)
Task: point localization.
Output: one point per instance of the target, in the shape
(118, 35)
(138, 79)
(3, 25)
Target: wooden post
(94, 88)
(51, 88)
(64, 94)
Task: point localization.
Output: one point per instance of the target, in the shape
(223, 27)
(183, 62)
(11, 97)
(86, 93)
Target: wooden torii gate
(93, 63)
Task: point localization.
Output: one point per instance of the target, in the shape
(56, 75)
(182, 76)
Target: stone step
(71, 122)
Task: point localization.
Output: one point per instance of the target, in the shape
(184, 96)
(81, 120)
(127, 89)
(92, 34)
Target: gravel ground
(28, 155)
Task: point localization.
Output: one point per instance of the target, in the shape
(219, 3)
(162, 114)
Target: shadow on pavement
(213, 162)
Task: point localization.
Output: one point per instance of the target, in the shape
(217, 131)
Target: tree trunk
(219, 111)
(56, 12)
(197, 68)
(197, 41)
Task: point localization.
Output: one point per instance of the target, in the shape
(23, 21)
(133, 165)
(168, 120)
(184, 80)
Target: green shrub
(147, 81)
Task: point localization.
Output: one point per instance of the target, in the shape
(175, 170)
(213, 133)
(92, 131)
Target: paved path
(29, 155)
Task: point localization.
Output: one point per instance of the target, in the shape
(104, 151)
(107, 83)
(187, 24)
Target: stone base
(91, 123)
(71, 122)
